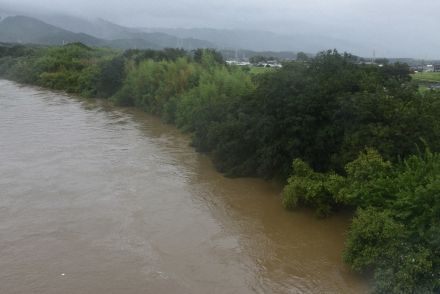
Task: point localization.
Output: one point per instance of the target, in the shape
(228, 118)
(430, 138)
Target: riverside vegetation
(342, 135)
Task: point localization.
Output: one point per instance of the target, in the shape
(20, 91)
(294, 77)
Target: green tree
(110, 76)
(301, 56)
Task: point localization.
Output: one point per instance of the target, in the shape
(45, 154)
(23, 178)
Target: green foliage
(311, 188)
(371, 230)
(379, 243)
(72, 68)
(88, 81)
(155, 86)
(301, 56)
(194, 94)
(325, 112)
(208, 57)
(368, 181)
(395, 233)
(204, 107)
(168, 54)
(16, 51)
(110, 76)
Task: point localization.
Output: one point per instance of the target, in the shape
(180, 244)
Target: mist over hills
(42, 28)
(25, 29)
(391, 30)
(55, 29)
(22, 29)
(254, 40)
(260, 40)
(104, 29)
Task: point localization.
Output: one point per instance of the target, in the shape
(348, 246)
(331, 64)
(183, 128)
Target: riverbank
(345, 127)
(101, 199)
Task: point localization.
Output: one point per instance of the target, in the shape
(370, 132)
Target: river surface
(96, 199)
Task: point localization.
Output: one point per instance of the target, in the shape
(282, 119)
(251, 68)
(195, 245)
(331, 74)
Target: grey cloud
(392, 27)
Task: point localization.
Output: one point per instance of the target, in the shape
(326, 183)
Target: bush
(395, 233)
(311, 188)
(109, 77)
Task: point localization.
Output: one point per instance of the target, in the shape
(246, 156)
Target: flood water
(95, 199)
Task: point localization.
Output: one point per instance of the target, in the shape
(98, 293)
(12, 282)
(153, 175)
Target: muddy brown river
(96, 199)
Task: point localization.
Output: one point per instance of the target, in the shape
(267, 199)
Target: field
(426, 79)
(427, 76)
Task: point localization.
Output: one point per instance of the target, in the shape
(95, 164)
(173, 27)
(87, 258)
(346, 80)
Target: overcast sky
(390, 26)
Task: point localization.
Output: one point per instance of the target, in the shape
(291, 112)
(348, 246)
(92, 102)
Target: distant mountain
(98, 28)
(99, 32)
(259, 40)
(103, 29)
(124, 37)
(23, 29)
